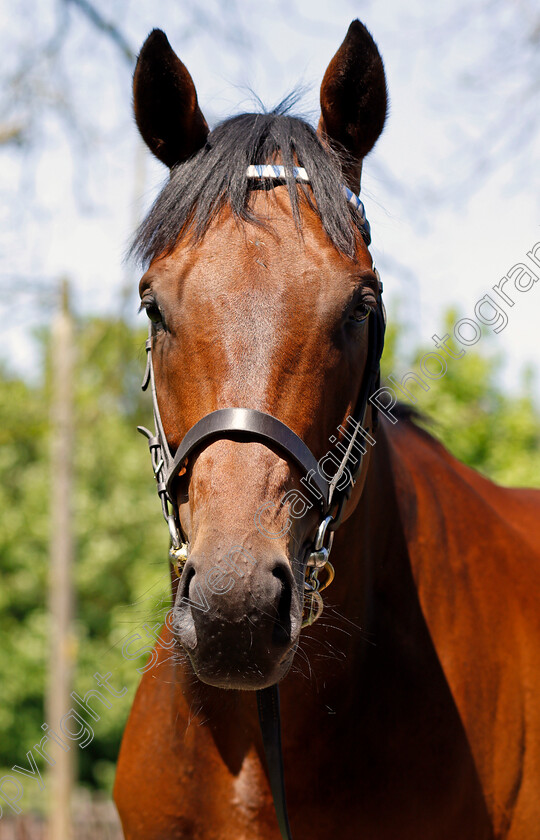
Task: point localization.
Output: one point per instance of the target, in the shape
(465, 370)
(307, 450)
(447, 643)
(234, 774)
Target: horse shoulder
(184, 767)
(474, 549)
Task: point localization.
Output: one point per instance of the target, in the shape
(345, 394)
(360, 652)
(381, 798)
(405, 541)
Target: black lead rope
(268, 706)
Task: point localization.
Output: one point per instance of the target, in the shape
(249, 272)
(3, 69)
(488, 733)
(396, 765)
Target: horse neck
(373, 623)
(370, 553)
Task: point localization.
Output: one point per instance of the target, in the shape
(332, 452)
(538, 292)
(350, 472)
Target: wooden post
(61, 773)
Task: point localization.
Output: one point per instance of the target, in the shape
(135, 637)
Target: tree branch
(107, 27)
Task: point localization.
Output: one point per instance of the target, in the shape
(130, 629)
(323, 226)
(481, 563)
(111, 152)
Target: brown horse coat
(418, 715)
(411, 711)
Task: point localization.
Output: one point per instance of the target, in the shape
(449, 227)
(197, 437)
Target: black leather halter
(255, 424)
(251, 424)
(258, 425)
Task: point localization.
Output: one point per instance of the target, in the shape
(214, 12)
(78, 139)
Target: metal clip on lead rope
(317, 562)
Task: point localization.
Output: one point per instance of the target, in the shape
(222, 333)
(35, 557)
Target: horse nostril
(183, 623)
(281, 632)
(188, 577)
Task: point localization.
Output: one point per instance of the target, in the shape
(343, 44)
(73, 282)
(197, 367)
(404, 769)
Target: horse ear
(354, 100)
(165, 103)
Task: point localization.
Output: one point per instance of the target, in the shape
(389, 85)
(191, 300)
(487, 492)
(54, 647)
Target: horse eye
(360, 313)
(152, 310)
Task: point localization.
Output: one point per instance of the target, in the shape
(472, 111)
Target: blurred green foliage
(121, 570)
(495, 432)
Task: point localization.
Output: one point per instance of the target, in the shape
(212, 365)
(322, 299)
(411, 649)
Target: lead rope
(270, 724)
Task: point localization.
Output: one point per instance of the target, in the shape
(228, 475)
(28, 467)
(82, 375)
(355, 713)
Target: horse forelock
(216, 176)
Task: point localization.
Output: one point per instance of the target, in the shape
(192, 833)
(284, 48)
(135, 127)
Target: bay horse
(411, 709)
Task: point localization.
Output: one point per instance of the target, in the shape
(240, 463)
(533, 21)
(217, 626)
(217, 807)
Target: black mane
(216, 175)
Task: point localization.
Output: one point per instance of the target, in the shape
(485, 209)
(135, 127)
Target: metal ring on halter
(331, 572)
(178, 551)
(318, 556)
(321, 533)
(173, 531)
(315, 609)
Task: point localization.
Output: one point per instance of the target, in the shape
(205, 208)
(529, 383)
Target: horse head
(261, 295)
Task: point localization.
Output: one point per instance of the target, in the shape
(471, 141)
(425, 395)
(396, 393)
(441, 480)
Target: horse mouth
(249, 675)
(248, 652)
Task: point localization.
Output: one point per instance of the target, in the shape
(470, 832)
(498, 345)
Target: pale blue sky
(435, 243)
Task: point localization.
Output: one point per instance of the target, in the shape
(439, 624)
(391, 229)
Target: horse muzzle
(238, 618)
